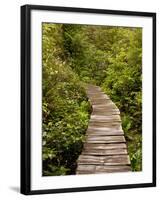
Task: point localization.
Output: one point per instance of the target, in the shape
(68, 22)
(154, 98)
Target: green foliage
(65, 107)
(73, 55)
(112, 58)
(123, 83)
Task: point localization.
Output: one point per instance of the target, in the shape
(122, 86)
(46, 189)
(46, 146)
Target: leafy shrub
(65, 108)
(123, 83)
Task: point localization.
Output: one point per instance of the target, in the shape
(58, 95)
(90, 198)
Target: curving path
(105, 147)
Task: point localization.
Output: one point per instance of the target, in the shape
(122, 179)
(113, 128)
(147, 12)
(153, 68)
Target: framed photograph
(88, 99)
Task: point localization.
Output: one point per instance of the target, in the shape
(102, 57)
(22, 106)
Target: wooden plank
(105, 113)
(104, 123)
(94, 96)
(101, 100)
(103, 169)
(87, 159)
(105, 119)
(97, 91)
(117, 160)
(106, 103)
(109, 129)
(108, 106)
(86, 168)
(104, 160)
(104, 146)
(111, 169)
(105, 106)
(105, 109)
(105, 142)
(104, 133)
(105, 139)
(105, 152)
(102, 117)
(100, 96)
(111, 121)
(98, 101)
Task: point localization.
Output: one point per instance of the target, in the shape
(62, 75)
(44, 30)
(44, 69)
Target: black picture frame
(26, 98)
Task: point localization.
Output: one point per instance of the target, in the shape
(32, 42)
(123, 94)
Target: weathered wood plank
(102, 117)
(103, 106)
(111, 169)
(104, 121)
(105, 113)
(86, 168)
(117, 160)
(95, 128)
(104, 133)
(98, 101)
(108, 117)
(106, 104)
(104, 142)
(96, 169)
(104, 160)
(106, 138)
(105, 152)
(105, 124)
(88, 159)
(94, 95)
(104, 146)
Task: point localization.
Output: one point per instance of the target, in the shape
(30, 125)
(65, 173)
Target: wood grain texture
(97, 169)
(105, 152)
(105, 149)
(104, 160)
(88, 146)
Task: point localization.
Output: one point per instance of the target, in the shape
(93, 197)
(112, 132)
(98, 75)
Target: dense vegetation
(73, 55)
(65, 107)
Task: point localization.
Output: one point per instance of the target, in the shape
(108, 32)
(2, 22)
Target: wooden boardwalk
(105, 147)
